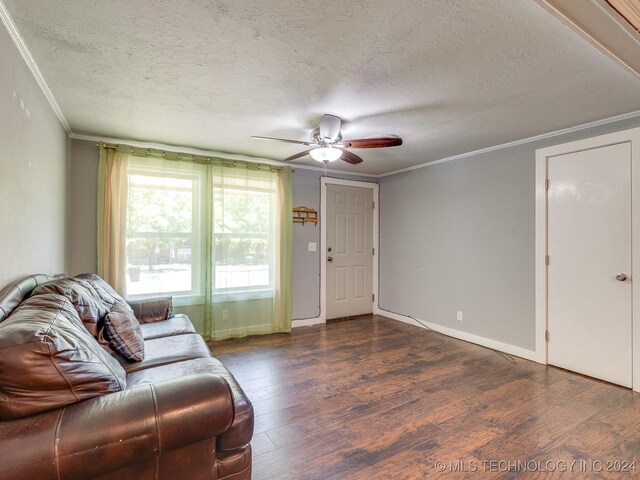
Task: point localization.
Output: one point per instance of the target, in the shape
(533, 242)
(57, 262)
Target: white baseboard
(467, 337)
(307, 322)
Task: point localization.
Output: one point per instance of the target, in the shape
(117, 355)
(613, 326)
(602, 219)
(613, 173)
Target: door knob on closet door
(329, 259)
(621, 277)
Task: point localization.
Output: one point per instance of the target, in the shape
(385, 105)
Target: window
(213, 233)
(243, 231)
(162, 246)
(167, 246)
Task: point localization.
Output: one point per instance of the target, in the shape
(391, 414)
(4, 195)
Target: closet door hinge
(546, 335)
(546, 184)
(547, 259)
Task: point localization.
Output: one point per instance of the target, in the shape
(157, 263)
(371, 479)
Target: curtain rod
(141, 151)
(107, 145)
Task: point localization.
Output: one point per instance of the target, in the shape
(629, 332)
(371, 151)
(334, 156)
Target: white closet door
(589, 272)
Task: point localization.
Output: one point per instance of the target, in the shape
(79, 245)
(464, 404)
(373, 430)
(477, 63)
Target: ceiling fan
(327, 144)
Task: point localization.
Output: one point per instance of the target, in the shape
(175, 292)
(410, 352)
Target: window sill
(232, 296)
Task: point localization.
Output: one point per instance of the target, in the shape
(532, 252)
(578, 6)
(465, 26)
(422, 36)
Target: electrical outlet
(313, 246)
(459, 316)
(225, 314)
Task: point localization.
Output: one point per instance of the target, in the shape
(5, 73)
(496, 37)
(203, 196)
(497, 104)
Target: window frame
(252, 291)
(205, 181)
(165, 169)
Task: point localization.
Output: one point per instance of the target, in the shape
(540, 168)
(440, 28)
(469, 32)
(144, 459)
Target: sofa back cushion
(49, 360)
(107, 294)
(84, 298)
(14, 293)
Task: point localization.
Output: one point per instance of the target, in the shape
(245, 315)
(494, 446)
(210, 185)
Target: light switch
(313, 246)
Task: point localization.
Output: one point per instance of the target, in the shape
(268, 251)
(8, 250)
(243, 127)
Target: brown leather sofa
(178, 414)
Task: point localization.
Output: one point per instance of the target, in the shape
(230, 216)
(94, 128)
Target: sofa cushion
(106, 293)
(153, 309)
(177, 325)
(122, 331)
(49, 360)
(84, 298)
(13, 294)
(241, 430)
(161, 351)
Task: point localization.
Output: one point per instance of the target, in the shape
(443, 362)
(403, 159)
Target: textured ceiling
(448, 76)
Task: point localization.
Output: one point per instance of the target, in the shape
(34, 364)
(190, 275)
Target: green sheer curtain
(284, 242)
(250, 249)
(216, 234)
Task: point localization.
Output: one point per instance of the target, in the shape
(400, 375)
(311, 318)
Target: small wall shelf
(305, 215)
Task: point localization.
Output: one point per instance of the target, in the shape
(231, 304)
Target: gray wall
(82, 226)
(33, 161)
(460, 236)
(453, 236)
(306, 264)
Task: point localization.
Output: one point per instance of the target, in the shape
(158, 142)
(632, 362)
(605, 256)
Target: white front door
(349, 245)
(589, 272)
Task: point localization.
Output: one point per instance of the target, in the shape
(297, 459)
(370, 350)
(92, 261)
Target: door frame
(541, 236)
(324, 181)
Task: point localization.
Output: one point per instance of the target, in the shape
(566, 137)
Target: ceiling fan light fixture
(327, 145)
(325, 154)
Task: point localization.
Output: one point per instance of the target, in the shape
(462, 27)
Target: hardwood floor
(373, 398)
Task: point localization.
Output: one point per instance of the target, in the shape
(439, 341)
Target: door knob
(329, 259)
(621, 277)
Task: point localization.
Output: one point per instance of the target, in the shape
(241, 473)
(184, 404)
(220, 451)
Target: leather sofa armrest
(153, 309)
(106, 433)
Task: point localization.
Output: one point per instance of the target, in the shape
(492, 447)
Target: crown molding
(208, 153)
(543, 136)
(31, 65)
(335, 172)
(247, 158)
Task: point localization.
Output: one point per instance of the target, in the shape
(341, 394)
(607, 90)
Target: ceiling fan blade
(349, 157)
(330, 127)
(379, 142)
(285, 140)
(297, 155)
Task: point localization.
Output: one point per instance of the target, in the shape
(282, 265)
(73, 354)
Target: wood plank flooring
(373, 398)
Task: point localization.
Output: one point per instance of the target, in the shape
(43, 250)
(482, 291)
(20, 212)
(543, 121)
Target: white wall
(33, 158)
(460, 236)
